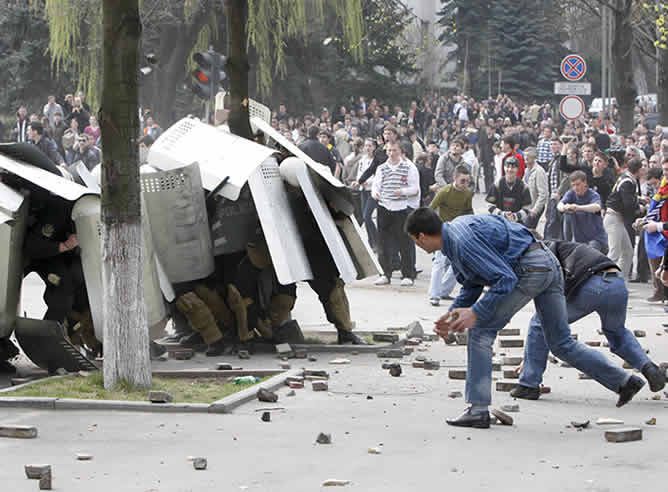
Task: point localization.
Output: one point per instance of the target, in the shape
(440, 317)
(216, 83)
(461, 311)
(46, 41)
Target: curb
(229, 403)
(224, 405)
(342, 349)
(29, 383)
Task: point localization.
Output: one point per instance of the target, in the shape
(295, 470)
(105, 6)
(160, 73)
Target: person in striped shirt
(396, 186)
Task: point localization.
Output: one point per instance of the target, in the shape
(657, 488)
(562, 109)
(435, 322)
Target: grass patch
(184, 390)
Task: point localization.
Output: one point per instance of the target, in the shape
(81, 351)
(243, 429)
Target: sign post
(573, 68)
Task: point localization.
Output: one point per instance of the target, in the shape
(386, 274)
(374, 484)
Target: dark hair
(462, 170)
(655, 173)
(510, 140)
(410, 133)
(147, 140)
(461, 141)
(38, 127)
(423, 220)
(431, 142)
(634, 165)
(577, 176)
(313, 131)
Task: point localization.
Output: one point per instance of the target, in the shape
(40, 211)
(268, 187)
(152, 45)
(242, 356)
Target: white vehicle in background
(648, 102)
(597, 104)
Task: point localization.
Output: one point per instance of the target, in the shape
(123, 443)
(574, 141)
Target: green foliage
(511, 36)
(327, 75)
(273, 23)
(25, 77)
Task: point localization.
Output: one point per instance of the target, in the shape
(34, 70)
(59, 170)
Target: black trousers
(392, 238)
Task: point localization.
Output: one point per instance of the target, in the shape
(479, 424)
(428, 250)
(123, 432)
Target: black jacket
(318, 152)
(624, 197)
(578, 263)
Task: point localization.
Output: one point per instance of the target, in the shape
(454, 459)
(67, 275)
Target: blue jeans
(605, 295)
(368, 206)
(442, 277)
(539, 278)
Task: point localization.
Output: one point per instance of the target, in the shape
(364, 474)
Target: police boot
(239, 306)
(199, 316)
(216, 304)
(280, 309)
(264, 327)
(338, 308)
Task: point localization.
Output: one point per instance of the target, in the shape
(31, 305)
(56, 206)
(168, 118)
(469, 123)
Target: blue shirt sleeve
(569, 197)
(478, 265)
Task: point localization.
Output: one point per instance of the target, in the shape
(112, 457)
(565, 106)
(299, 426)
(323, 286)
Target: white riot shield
(365, 262)
(278, 224)
(179, 224)
(220, 155)
(86, 216)
(295, 172)
(13, 214)
(234, 224)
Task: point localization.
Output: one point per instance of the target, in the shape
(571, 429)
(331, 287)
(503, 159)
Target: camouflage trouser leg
(239, 306)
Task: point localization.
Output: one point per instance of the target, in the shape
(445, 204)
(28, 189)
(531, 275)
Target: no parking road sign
(573, 67)
(571, 107)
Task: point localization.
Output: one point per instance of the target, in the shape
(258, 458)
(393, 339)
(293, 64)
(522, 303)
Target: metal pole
(206, 112)
(604, 56)
(611, 63)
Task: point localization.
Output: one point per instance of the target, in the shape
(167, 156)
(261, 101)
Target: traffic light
(209, 75)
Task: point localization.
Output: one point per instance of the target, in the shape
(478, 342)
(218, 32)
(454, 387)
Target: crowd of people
(68, 132)
(580, 180)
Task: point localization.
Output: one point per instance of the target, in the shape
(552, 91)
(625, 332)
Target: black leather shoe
(655, 376)
(346, 337)
(525, 392)
(628, 391)
(215, 349)
(156, 350)
(479, 421)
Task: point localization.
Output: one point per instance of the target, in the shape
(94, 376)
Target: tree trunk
(622, 61)
(126, 351)
(237, 67)
(662, 89)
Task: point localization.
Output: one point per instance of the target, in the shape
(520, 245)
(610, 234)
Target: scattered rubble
(45, 480)
(432, 365)
(339, 362)
(34, 472)
(626, 434)
(374, 451)
(455, 394)
(267, 396)
(200, 463)
(324, 438)
(385, 337)
(609, 421)
(511, 342)
(183, 354)
(285, 366)
(291, 393)
(511, 374)
(504, 418)
(266, 417)
(223, 366)
(580, 425)
(333, 482)
(243, 354)
(415, 330)
(651, 421)
(640, 333)
(319, 386)
(84, 457)
(457, 374)
(505, 385)
(418, 364)
(159, 397)
(18, 431)
(509, 332)
(391, 354)
(395, 370)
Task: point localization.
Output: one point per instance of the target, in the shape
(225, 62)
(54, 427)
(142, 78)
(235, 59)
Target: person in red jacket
(511, 149)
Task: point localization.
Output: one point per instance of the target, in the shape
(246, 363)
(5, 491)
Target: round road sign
(571, 107)
(573, 67)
